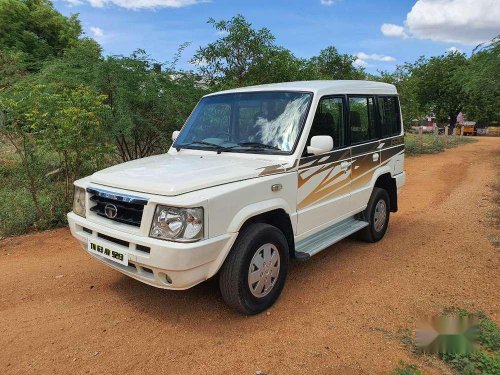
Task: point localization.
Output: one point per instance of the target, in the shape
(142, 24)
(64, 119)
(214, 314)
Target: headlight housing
(177, 224)
(79, 201)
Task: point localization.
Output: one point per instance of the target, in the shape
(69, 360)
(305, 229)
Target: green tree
(230, 59)
(36, 30)
(279, 65)
(12, 68)
(480, 79)
(406, 84)
(437, 88)
(246, 56)
(146, 103)
(330, 64)
(77, 66)
(54, 134)
(67, 118)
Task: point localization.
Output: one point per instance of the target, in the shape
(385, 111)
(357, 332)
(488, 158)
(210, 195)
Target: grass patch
(432, 144)
(406, 369)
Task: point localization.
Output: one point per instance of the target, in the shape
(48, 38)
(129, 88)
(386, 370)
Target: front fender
(255, 209)
(240, 218)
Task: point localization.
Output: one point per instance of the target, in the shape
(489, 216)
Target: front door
(324, 180)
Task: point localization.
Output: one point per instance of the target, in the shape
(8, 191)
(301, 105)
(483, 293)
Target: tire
(249, 250)
(375, 230)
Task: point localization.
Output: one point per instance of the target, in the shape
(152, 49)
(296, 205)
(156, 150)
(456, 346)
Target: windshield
(246, 122)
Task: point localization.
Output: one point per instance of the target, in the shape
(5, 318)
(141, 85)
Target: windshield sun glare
(246, 122)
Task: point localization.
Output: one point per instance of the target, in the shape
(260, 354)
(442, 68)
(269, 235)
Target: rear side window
(361, 119)
(329, 120)
(390, 122)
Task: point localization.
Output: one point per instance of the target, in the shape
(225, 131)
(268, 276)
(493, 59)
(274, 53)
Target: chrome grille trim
(126, 198)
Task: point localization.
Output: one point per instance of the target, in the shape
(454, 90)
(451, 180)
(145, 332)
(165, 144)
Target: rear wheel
(254, 273)
(377, 214)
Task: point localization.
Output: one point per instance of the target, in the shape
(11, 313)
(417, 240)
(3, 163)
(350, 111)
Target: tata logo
(111, 211)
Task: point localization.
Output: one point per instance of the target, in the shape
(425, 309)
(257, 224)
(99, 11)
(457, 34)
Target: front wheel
(377, 214)
(254, 273)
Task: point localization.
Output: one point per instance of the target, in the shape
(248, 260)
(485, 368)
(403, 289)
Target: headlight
(79, 201)
(177, 224)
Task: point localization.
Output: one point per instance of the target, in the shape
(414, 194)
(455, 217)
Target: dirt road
(340, 313)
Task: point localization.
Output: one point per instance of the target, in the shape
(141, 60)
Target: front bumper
(163, 264)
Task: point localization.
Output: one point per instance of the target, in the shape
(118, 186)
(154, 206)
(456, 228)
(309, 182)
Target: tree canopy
(246, 56)
(33, 30)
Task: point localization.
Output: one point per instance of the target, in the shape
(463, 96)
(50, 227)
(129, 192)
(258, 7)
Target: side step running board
(312, 245)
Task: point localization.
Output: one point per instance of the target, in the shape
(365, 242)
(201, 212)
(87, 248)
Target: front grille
(117, 207)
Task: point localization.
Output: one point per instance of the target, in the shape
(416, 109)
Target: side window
(329, 120)
(361, 119)
(390, 121)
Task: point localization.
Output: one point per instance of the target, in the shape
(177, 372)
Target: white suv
(256, 176)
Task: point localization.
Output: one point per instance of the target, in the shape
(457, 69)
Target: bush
(17, 215)
(432, 144)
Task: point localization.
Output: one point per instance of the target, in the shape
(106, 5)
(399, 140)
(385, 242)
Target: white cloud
(138, 4)
(74, 2)
(360, 63)
(328, 2)
(389, 29)
(455, 21)
(96, 31)
(453, 50)
(375, 57)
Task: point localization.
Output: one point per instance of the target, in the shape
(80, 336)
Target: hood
(174, 174)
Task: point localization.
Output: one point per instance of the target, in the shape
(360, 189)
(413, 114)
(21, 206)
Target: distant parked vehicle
(469, 128)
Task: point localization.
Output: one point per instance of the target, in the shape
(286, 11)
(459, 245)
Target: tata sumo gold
(256, 177)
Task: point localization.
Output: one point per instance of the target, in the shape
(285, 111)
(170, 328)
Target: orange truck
(469, 128)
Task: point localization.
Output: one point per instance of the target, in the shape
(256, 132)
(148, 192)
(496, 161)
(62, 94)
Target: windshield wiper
(259, 145)
(218, 148)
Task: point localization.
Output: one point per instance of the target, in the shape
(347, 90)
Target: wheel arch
(275, 212)
(388, 183)
(278, 218)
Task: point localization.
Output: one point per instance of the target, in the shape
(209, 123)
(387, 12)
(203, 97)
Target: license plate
(106, 251)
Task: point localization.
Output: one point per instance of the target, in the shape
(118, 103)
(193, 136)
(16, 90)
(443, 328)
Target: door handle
(344, 165)
(375, 157)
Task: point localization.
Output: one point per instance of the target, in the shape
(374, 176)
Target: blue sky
(411, 28)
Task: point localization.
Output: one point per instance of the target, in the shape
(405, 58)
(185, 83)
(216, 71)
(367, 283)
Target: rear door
(323, 180)
(365, 150)
(391, 139)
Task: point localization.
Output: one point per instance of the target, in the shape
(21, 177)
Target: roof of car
(322, 87)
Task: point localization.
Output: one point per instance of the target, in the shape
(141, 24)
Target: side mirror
(320, 144)
(175, 134)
